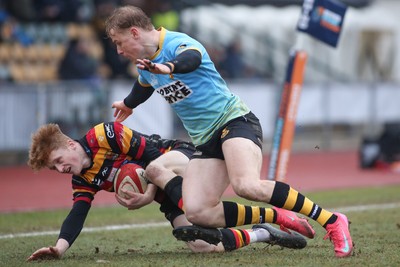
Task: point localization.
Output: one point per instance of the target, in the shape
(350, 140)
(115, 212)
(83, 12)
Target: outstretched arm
(138, 95)
(52, 252)
(187, 61)
(70, 230)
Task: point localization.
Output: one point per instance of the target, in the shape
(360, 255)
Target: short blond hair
(46, 139)
(128, 16)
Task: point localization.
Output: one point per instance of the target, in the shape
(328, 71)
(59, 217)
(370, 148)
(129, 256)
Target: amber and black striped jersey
(109, 145)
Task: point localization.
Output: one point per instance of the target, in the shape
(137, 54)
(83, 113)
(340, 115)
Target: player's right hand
(132, 200)
(46, 253)
(121, 111)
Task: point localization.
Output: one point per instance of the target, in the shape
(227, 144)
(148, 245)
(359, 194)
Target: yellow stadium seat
(49, 72)
(17, 52)
(5, 53)
(17, 72)
(32, 53)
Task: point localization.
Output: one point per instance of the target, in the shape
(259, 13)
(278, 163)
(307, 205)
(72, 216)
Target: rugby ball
(131, 178)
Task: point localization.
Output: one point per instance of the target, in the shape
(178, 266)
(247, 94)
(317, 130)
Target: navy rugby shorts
(247, 126)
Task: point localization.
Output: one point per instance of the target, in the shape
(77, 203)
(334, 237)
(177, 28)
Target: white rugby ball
(131, 178)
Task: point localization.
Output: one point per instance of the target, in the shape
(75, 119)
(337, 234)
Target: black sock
(174, 190)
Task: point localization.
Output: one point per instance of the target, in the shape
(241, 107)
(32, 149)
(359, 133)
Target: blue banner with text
(322, 19)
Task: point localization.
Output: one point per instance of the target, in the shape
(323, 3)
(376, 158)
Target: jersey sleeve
(146, 151)
(73, 223)
(83, 195)
(138, 95)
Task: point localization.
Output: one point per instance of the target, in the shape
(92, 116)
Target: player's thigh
(173, 160)
(243, 160)
(204, 182)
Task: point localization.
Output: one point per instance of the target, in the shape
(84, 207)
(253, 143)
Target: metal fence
(23, 108)
(77, 106)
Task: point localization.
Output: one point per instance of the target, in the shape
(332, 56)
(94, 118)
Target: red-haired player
(93, 162)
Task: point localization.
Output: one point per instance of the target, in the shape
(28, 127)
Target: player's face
(65, 160)
(128, 43)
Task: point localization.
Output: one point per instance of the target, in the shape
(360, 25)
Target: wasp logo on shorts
(225, 131)
(174, 92)
(197, 153)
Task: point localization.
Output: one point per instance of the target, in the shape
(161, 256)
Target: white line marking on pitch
(367, 207)
(358, 208)
(89, 229)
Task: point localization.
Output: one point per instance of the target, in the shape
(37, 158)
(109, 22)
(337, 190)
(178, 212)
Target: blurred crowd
(48, 40)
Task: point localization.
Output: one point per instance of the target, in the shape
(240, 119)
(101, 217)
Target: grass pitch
(375, 228)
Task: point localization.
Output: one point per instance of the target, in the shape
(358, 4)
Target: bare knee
(204, 216)
(246, 190)
(195, 216)
(154, 170)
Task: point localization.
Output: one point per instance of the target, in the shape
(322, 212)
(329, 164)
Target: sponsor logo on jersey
(111, 155)
(181, 48)
(97, 181)
(104, 171)
(112, 174)
(109, 130)
(174, 92)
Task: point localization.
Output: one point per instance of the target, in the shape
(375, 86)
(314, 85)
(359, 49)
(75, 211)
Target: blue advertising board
(322, 19)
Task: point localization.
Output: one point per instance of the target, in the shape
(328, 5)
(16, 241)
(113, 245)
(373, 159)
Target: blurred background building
(56, 65)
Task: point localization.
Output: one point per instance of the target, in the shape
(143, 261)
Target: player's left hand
(45, 253)
(121, 111)
(146, 64)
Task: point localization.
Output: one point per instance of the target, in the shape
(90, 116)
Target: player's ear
(71, 144)
(134, 32)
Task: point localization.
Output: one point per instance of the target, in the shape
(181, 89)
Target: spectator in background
(4, 17)
(22, 10)
(119, 67)
(78, 63)
(12, 32)
(166, 16)
(59, 10)
(232, 65)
